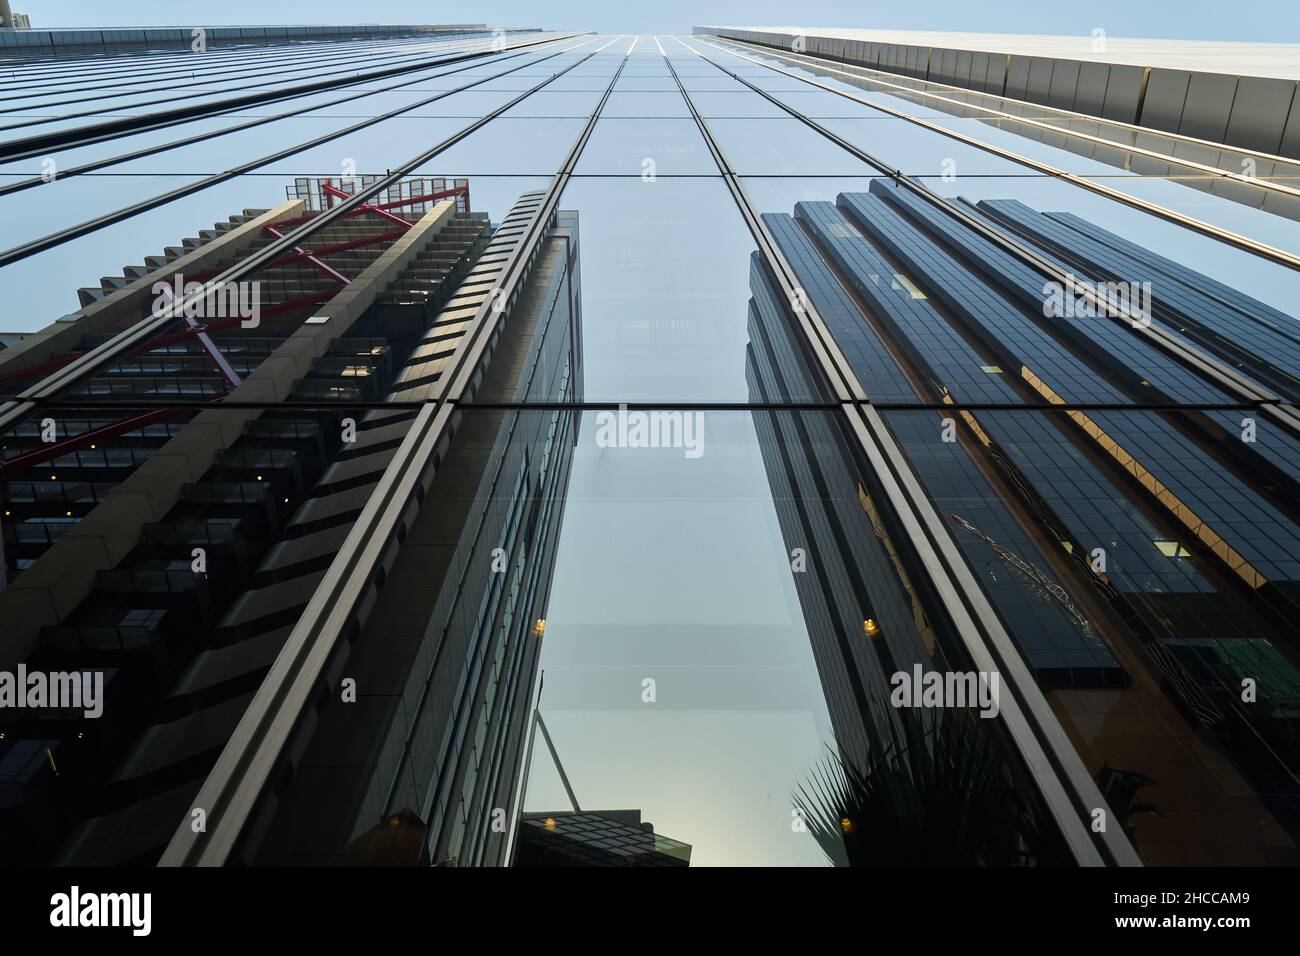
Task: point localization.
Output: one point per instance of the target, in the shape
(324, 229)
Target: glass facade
(641, 450)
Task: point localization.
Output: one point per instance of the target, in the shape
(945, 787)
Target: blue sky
(1267, 20)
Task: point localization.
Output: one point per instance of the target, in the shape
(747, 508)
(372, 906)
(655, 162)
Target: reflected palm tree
(946, 798)
(1120, 788)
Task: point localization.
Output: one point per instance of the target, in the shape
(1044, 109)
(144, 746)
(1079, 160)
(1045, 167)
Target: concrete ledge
(1238, 94)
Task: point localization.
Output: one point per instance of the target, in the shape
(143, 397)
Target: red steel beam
(440, 194)
(390, 204)
(311, 258)
(165, 339)
(382, 213)
(288, 305)
(111, 430)
(180, 335)
(293, 257)
(227, 370)
(313, 298)
(340, 247)
(49, 365)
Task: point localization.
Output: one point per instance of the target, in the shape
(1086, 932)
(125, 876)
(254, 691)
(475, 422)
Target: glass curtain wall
(837, 425)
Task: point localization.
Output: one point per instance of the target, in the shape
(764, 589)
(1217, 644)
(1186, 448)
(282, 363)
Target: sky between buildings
(1273, 21)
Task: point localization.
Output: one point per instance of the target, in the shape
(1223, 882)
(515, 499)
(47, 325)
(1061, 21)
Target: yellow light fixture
(540, 627)
(847, 825)
(870, 627)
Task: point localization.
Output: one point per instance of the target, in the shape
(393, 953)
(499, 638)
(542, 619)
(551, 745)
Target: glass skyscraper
(469, 447)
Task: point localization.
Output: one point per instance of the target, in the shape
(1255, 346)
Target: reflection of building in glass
(864, 619)
(1141, 554)
(10, 20)
(176, 547)
(599, 838)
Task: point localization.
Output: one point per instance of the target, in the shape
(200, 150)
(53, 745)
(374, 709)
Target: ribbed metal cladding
(1254, 112)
